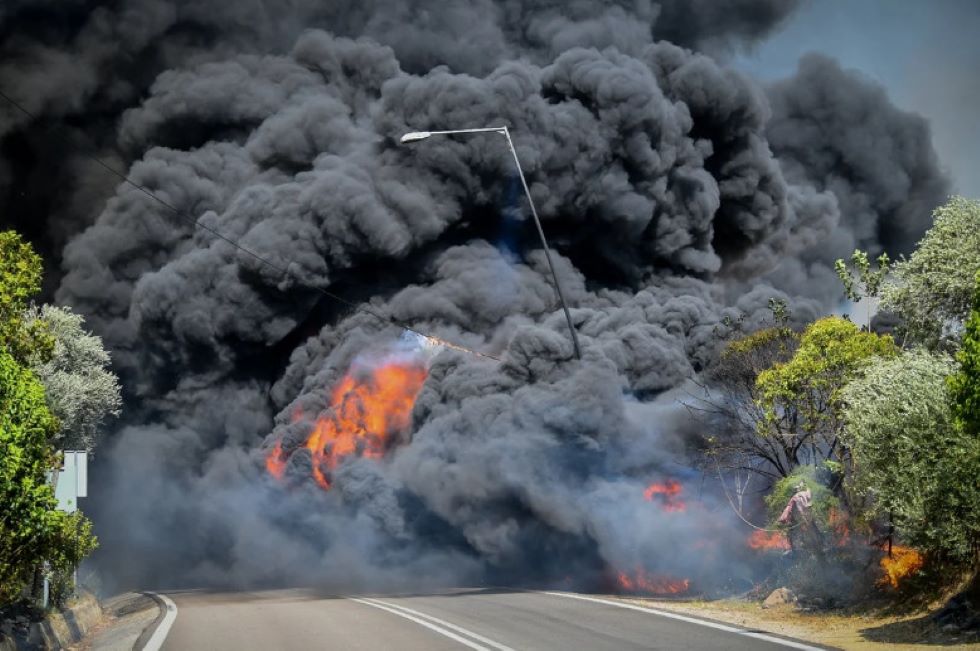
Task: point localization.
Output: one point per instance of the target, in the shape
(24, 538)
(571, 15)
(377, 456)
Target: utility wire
(739, 513)
(271, 265)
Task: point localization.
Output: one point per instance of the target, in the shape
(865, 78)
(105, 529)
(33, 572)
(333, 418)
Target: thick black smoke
(835, 131)
(675, 191)
(80, 63)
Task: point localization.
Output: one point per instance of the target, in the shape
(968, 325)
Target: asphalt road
(475, 619)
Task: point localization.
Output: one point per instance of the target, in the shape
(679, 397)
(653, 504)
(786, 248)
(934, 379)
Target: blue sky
(925, 52)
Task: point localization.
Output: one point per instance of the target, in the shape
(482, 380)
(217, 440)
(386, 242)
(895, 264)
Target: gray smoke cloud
(836, 131)
(87, 61)
(677, 193)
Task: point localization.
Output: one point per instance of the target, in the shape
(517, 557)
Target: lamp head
(415, 136)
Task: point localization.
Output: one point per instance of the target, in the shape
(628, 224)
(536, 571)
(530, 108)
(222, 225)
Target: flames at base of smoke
(369, 407)
(668, 494)
(642, 581)
(768, 540)
(275, 462)
(663, 234)
(902, 563)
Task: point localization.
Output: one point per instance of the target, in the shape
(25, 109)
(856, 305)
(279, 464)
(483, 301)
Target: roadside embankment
(129, 621)
(59, 630)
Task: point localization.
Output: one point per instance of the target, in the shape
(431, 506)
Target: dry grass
(864, 632)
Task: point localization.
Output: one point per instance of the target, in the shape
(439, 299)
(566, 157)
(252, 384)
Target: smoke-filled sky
(926, 54)
(680, 189)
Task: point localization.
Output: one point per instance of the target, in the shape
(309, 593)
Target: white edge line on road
(449, 625)
(692, 620)
(422, 622)
(160, 634)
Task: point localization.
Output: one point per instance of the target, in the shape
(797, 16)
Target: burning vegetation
(369, 407)
(667, 494)
(642, 582)
(900, 563)
(526, 464)
(766, 540)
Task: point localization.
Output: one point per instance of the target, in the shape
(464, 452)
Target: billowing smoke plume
(836, 131)
(675, 191)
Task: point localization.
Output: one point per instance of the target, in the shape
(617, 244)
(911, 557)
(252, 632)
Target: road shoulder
(844, 631)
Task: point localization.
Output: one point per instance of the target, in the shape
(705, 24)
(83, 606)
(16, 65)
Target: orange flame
(668, 493)
(903, 562)
(368, 407)
(275, 462)
(643, 581)
(768, 540)
(840, 526)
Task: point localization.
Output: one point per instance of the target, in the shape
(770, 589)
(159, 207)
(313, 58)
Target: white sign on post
(72, 481)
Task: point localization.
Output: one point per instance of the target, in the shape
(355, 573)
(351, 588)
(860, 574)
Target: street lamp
(415, 136)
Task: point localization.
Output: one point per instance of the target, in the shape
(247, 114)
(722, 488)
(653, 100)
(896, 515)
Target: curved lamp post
(416, 136)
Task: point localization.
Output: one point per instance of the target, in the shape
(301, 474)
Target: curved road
(488, 620)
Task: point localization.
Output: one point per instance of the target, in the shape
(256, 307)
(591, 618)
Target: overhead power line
(284, 271)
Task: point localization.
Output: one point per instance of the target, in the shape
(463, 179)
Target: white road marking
(434, 623)
(449, 625)
(160, 634)
(692, 620)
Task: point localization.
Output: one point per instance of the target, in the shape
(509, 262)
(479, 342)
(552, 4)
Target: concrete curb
(153, 636)
(59, 629)
(148, 632)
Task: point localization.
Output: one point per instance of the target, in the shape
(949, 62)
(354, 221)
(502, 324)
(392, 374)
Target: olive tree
(932, 290)
(906, 447)
(80, 388)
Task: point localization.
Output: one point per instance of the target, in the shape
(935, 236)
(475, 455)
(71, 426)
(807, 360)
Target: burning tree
(913, 427)
(776, 399)
(809, 526)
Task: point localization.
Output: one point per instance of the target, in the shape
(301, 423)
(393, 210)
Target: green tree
(31, 528)
(933, 289)
(79, 387)
(965, 385)
(801, 398)
(824, 501)
(20, 279)
(28, 519)
(908, 455)
(732, 405)
(964, 455)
